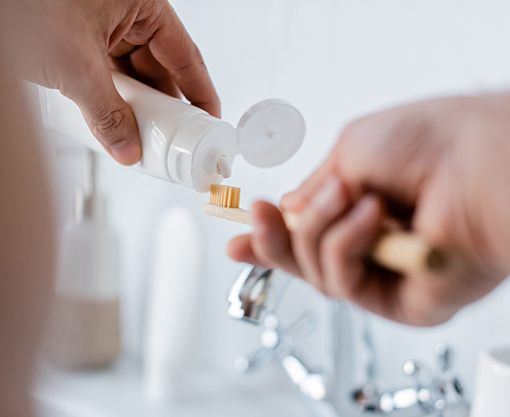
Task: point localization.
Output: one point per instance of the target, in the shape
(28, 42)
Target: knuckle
(182, 71)
(335, 284)
(304, 234)
(332, 246)
(109, 125)
(263, 252)
(267, 260)
(149, 20)
(334, 265)
(200, 62)
(189, 66)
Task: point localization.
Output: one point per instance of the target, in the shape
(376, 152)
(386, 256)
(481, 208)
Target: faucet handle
(418, 371)
(303, 325)
(411, 368)
(433, 392)
(444, 357)
(423, 374)
(269, 341)
(254, 361)
(436, 391)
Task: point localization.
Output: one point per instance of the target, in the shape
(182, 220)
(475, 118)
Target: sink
(118, 392)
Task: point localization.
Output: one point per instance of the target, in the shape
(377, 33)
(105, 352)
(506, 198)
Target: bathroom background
(334, 60)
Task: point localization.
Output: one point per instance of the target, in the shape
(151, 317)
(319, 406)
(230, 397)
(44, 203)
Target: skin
(73, 47)
(441, 168)
(27, 239)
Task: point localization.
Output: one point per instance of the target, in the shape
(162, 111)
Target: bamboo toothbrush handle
(407, 253)
(397, 251)
(236, 215)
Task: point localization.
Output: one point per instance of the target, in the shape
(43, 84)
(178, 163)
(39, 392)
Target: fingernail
(330, 195)
(126, 152)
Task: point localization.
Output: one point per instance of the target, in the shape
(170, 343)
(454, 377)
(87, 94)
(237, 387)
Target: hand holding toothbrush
(441, 167)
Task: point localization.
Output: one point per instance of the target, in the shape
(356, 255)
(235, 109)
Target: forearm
(27, 239)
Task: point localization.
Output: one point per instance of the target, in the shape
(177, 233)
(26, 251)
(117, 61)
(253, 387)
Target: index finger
(297, 200)
(172, 46)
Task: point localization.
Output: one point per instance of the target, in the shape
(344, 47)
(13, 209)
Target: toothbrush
(398, 251)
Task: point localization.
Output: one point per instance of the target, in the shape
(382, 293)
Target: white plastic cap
(203, 148)
(202, 152)
(270, 133)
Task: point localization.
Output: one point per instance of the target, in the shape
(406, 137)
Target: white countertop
(118, 392)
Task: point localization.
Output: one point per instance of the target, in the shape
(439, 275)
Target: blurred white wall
(335, 60)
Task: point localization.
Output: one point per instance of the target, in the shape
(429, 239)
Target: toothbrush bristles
(224, 196)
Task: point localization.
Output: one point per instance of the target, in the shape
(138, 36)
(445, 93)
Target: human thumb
(109, 117)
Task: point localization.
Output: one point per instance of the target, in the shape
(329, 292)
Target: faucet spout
(254, 294)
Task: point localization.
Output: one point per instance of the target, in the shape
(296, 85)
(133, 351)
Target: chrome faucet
(254, 294)
(435, 394)
(276, 344)
(254, 297)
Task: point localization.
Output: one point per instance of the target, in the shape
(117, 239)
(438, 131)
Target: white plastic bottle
(171, 342)
(84, 329)
(182, 143)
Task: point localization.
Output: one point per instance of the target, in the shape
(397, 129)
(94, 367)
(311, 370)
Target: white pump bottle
(182, 143)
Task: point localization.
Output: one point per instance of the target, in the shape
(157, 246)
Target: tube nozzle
(223, 167)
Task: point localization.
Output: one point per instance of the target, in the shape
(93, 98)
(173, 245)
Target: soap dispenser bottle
(84, 329)
(183, 144)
